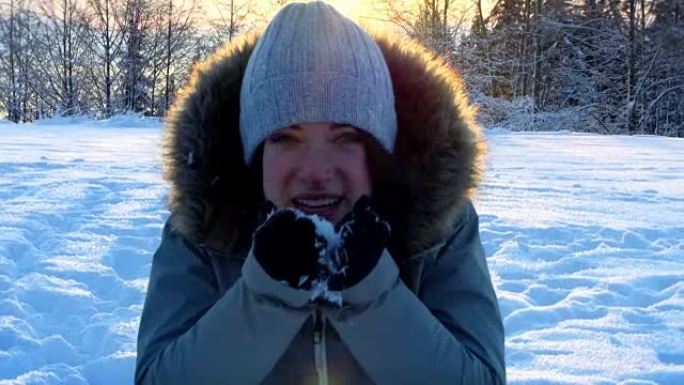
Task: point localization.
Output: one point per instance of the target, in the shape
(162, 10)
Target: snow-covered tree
(61, 39)
(137, 24)
(16, 60)
(107, 43)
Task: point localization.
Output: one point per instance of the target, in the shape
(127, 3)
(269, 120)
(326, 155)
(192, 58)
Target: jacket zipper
(320, 353)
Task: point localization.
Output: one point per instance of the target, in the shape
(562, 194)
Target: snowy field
(585, 236)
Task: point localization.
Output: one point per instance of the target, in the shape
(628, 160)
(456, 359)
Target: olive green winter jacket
(426, 314)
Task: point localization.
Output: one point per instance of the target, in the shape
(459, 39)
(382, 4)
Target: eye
(282, 138)
(349, 137)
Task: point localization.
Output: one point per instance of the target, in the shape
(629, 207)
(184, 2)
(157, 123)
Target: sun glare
(368, 13)
(361, 11)
(354, 9)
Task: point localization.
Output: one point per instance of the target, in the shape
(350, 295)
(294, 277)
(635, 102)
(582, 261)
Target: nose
(315, 166)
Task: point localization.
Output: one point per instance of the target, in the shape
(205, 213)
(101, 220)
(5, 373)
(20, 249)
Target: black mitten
(288, 249)
(364, 235)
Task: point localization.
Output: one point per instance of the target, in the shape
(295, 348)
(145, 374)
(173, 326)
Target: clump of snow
(320, 290)
(330, 266)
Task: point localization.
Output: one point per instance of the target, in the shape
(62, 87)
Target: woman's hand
(288, 248)
(364, 236)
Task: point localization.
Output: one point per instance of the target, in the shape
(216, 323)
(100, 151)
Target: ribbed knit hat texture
(312, 64)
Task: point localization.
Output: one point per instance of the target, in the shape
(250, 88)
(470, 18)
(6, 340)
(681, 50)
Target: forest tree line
(608, 66)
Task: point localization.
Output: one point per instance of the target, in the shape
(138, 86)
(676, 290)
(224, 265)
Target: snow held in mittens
(328, 242)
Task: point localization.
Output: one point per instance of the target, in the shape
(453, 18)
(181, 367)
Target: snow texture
(329, 265)
(584, 236)
(327, 240)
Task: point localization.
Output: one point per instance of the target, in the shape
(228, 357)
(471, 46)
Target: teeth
(316, 203)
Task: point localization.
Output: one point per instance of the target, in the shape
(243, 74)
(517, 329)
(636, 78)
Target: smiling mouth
(324, 206)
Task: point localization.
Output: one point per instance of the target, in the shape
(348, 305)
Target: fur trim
(439, 149)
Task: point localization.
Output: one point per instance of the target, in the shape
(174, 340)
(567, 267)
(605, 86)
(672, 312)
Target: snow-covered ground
(585, 236)
(81, 210)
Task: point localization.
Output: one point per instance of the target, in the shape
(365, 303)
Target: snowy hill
(585, 236)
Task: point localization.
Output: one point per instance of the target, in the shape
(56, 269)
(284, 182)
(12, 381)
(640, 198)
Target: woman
(373, 134)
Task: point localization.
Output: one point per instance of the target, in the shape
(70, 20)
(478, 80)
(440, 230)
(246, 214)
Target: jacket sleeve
(191, 334)
(451, 333)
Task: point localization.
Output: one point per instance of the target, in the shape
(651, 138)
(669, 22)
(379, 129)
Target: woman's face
(318, 168)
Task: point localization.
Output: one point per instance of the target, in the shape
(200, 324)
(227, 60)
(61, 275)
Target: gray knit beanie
(313, 64)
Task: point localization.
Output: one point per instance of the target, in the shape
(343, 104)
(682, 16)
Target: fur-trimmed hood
(439, 149)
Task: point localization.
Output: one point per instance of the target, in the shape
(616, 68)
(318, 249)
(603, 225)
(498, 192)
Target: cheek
(275, 173)
(357, 174)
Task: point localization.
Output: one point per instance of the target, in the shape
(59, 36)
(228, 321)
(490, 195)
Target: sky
(363, 11)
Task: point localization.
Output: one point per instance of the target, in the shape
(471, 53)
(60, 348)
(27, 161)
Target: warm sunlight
(355, 9)
(373, 13)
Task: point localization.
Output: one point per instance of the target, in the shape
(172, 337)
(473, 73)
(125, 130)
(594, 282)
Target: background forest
(605, 66)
